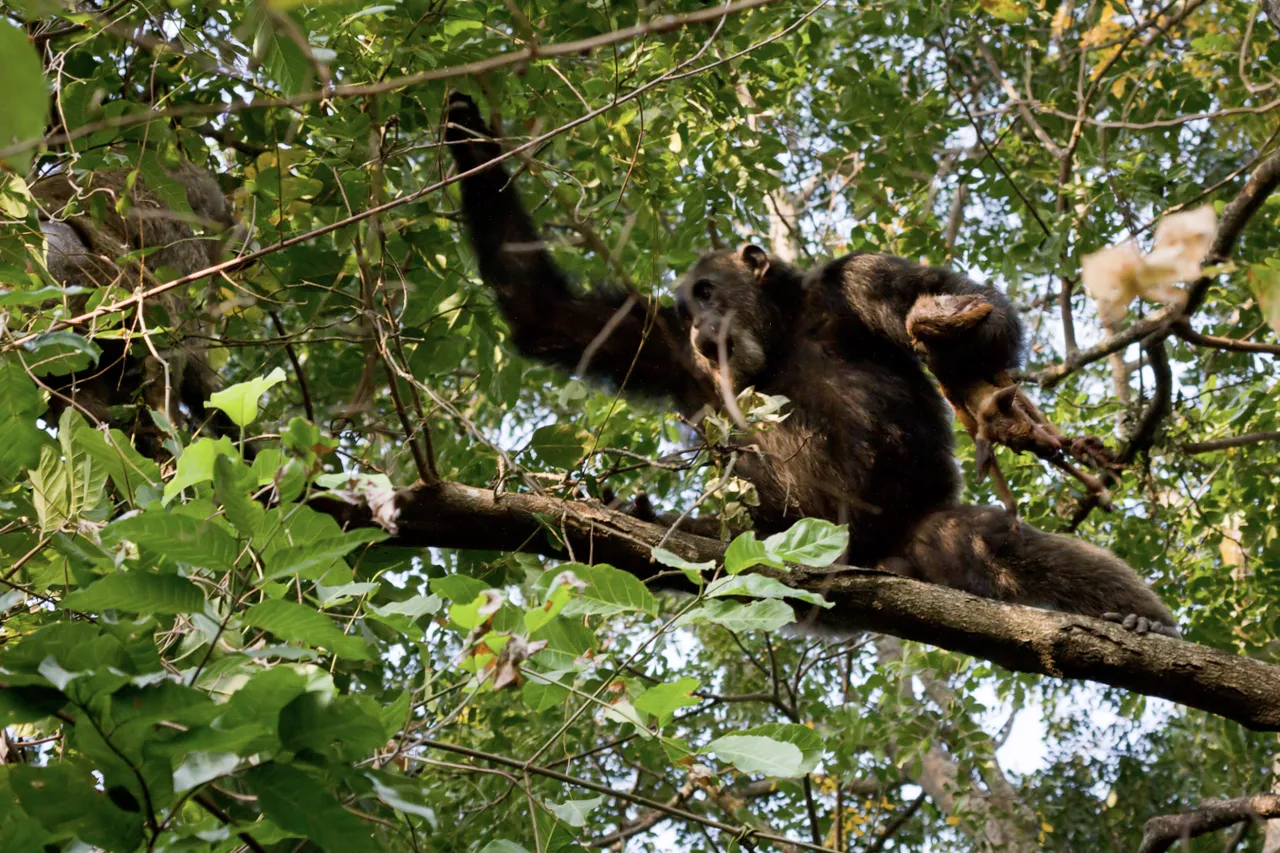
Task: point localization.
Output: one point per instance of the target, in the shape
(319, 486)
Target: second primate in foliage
(869, 440)
(93, 245)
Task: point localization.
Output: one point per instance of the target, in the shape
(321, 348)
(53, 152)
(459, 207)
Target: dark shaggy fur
(869, 440)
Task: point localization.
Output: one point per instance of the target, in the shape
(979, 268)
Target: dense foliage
(193, 657)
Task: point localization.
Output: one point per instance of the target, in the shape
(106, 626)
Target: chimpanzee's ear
(756, 259)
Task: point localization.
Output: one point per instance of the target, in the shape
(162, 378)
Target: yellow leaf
(1265, 282)
(675, 143)
(1061, 20)
(1105, 30)
(953, 820)
(1010, 11)
(1046, 827)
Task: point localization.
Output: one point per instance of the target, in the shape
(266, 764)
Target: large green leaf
(769, 614)
(611, 590)
(64, 796)
(113, 453)
(758, 754)
(559, 445)
(178, 537)
(296, 802)
(196, 464)
(759, 586)
(27, 98)
(60, 353)
(240, 402)
(291, 621)
(746, 551)
(246, 514)
(808, 741)
(20, 405)
(201, 767)
(313, 559)
(810, 542)
(138, 592)
(663, 700)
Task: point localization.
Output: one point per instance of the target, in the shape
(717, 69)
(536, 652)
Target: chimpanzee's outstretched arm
(633, 341)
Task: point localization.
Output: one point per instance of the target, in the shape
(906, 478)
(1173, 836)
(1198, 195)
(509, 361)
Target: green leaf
(473, 613)
(757, 754)
(810, 542)
(298, 804)
(393, 791)
(693, 571)
(1264, 280)
(53, 491)
(35, 297)
(20, 405)
(413, 608)
(196, 463)
(300, 624)
(313, 559)
(344, 727)
(559, 445)
(138, 592)
(60, 353)
(240, 402)
(200, 767)
(279, 54)
(611, 590)
(503, 846)
(759, 586)
(575, 812)
(342, 593)
(26, 96)
(540, 696)
(536, 617)
(746, 551)
(808, 741)
(667, 558)
(457, 587)
(769, 614)
(677, 749)
(453, 26)
(663, 700)
(47, 794)
(178, 537)
(244, 513)
(111, 452)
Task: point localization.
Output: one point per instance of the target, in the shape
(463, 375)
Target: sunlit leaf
(240, 402)
(758, 754)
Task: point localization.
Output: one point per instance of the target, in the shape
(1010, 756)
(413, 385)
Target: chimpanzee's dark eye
(702, 289)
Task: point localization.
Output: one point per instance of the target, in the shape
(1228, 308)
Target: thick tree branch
(1184, 331)
(1161, 833)
(1144, 434)
(1257, 189)
(1023, 639)
(1230, 441)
